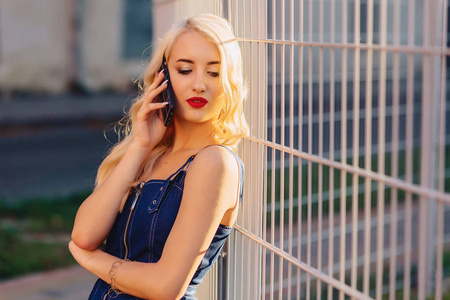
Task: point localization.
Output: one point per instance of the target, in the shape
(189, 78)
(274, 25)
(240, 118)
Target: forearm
(139, 279)
(96, 215)
(143, 280)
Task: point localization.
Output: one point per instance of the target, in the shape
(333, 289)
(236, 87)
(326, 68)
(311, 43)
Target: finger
(145, 110)
(157, 80)
(156, 105)
(151, 94)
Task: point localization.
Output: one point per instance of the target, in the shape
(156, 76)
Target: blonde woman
(167, 197)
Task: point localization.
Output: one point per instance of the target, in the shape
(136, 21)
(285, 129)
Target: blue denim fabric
(149, 226)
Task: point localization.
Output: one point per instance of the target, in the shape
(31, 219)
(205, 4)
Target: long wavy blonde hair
(230, 124)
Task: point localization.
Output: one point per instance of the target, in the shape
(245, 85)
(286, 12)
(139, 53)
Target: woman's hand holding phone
(167, 96)
(149, 128)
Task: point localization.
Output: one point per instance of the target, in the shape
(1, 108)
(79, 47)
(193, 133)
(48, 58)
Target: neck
(192, 136)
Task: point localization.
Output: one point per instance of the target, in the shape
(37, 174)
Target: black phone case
(167, 96)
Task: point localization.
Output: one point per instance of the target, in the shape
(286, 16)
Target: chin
(194, 117)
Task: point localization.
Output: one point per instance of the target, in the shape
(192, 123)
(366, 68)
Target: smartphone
(167, 96)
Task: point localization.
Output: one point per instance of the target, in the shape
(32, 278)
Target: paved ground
(72, 283)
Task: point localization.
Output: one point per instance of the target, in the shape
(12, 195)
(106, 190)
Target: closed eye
(214, 74)
(184, 72)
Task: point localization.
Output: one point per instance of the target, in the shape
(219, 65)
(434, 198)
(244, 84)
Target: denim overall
(142, 228)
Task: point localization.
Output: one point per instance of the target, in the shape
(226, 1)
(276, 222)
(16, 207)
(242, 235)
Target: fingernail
(164, 103)
(165, 81)
(160, 72)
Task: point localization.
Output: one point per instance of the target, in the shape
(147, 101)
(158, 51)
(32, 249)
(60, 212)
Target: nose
(199, 84)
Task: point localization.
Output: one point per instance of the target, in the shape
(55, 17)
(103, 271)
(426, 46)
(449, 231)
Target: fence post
(432, 30)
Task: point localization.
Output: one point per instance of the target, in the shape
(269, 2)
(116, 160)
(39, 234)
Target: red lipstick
(197, 102)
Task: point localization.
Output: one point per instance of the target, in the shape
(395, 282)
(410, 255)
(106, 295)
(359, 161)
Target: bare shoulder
(216, 159)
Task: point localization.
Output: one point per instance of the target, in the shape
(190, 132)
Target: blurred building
(55, 45)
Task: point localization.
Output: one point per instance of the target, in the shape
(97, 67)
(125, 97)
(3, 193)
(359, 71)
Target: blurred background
(68, 69)
(347, 162)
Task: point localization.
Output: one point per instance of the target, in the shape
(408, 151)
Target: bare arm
(208, 194)
(96, 215)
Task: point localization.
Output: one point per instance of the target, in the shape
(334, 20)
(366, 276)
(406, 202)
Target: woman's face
(194, 65)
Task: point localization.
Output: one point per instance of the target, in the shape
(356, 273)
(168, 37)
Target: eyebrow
(215, 62)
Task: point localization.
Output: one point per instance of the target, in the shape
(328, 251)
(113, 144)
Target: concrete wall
(167, 12)
(46, 45)
(163, 17)
(101, 36)
(35, 45)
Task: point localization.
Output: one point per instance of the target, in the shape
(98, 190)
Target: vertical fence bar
(331, 186)
(343, 179)
(409, 155)
(368, 150)
(248, 156)
(274, 133)
(300, 146)
(441, 159)
(309, 182)
(240, 241)
(428, 155)
(310, 131)
(227, 266)
(272, 221)
(291, 143)
(320, 166)
(232, 244)
(234, 278)
(253, 158)
(234, 267)
(394, 156)
(247, 245)
(291, 195)
(381, 149)
(282, 142)
(263, 35)
(241, 288)
(439, 251)
(261, 70)
(236, 17)
(248, 150)
(356, 112)
(425, 151)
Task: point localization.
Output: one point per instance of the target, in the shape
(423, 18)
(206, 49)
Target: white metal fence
(348, 162)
